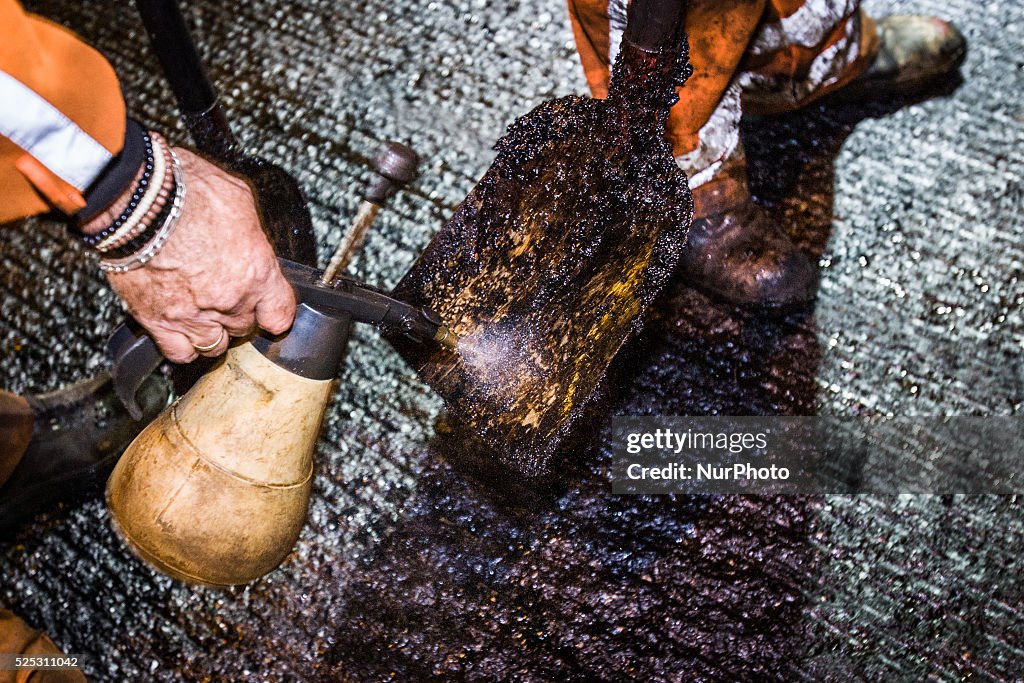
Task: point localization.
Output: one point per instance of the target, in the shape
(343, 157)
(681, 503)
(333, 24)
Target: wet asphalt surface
(417, 563)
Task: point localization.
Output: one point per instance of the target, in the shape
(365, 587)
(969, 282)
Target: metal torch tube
(351, 241)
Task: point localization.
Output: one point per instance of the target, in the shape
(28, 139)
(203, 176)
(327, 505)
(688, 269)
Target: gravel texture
(418, 563)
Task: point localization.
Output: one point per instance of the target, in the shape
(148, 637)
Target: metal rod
(393, 167)
(351, 241)
(282, 208)
(655, 24)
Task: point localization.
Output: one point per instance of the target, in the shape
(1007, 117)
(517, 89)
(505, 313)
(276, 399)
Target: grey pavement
(417, 564)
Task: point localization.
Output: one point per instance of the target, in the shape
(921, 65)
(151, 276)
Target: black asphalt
(416, 565)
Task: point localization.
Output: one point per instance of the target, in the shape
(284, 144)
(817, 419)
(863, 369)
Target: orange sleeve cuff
(77, 81)
(59, 193)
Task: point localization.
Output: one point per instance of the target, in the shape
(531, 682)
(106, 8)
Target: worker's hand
(215, 277)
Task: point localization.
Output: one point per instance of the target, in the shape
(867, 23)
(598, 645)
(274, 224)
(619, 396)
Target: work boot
(735, 251)
(914, 52)
(78, 433)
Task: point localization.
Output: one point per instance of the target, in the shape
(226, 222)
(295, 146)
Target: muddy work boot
(914, 53)
(736, 252)
(78, 433)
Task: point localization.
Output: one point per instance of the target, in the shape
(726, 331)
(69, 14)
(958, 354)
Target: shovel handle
(193, 91)
(655, 24)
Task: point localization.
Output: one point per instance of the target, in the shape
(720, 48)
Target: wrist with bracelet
(133, 236)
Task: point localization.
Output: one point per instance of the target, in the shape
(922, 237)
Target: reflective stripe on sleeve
(43, 131)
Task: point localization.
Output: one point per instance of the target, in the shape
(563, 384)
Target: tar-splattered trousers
(754, 56)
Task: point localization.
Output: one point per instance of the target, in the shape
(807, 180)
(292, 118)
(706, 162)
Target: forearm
(179, 238)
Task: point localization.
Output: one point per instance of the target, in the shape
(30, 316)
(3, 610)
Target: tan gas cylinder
(215, 490)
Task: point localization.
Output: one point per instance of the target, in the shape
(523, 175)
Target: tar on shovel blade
(546, 268)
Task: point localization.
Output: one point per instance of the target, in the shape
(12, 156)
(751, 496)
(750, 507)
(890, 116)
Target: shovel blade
(544, 271)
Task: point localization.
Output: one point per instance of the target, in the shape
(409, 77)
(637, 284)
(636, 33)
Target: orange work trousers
(758, 56)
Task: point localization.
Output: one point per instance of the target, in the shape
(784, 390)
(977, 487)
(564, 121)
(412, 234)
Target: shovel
(546, 268)
(548, 265)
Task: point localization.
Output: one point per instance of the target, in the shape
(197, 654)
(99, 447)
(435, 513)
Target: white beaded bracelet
(157, 180)
(152, 248)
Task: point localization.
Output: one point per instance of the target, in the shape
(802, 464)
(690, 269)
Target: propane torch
(215, 490)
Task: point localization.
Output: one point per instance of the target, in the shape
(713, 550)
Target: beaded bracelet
(162, 234)
(142, 237)
(153, 215)
(156, 182)
(133, 202)
(162, 198)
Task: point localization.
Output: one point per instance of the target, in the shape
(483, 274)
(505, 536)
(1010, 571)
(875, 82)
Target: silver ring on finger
(210, 347)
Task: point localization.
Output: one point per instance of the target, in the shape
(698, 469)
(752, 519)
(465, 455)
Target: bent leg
(719, 33)
(734, 250)
(803, 50)
(761, 55)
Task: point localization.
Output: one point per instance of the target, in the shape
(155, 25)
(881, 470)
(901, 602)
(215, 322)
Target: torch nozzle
(446, 338)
